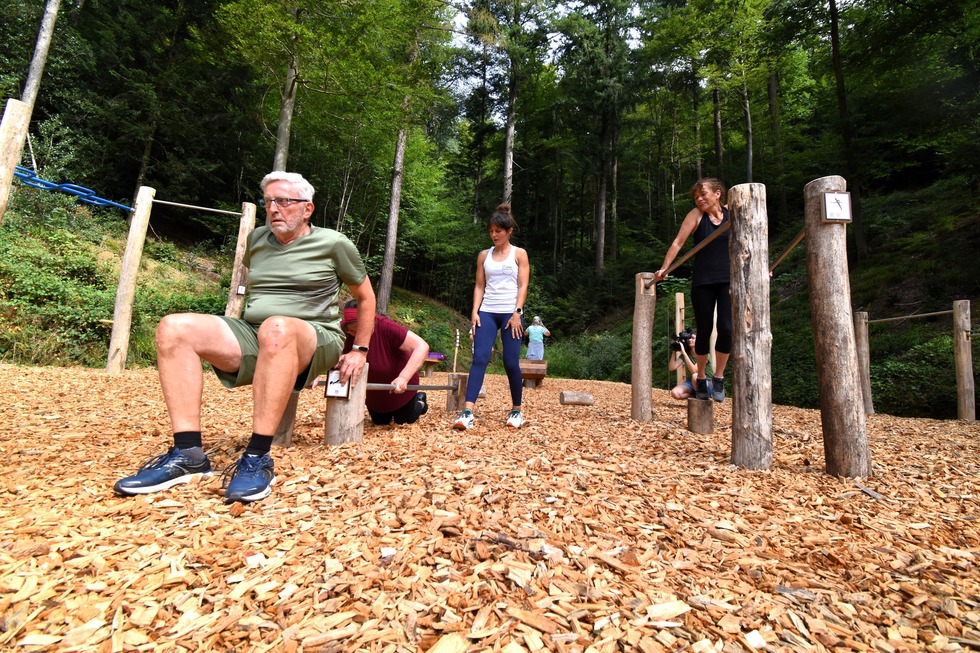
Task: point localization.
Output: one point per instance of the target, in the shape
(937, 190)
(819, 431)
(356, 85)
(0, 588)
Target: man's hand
(351, 365)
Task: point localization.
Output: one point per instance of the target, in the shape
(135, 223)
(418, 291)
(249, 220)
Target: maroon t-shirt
(386, 360)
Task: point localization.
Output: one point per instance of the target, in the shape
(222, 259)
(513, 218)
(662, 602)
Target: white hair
(302, 187)
(536, 320)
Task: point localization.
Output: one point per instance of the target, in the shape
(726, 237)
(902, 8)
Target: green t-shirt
(301, 279)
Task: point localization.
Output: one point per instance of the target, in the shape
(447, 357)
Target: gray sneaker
(718, 389)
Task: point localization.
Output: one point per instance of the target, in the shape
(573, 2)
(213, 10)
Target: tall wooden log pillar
(642, 379)
(845, 434)
(863, 345)
(966, 405)
(239, 273)
(13, 133)
(122, 313)
(751, 360)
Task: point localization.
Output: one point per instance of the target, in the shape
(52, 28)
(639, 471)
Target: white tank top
(500, 292)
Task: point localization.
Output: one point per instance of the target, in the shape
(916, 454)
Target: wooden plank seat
(533, 372)
(431, 361)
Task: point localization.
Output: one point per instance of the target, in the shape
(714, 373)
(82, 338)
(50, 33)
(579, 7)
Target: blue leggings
(486, 334)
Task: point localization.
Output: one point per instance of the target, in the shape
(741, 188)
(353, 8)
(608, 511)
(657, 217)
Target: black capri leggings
(704, 299)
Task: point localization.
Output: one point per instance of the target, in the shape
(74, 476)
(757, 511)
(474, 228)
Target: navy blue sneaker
(164, 471)
(250, 479)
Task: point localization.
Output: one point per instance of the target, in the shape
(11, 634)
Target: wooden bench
(431, 361)
(533, 372)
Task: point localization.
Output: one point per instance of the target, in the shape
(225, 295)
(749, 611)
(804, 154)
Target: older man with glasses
(289, 335)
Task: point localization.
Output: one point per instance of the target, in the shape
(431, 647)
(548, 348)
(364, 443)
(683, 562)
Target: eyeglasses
(281, 202)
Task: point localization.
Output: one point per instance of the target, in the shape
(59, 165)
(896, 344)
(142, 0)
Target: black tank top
(711, 264)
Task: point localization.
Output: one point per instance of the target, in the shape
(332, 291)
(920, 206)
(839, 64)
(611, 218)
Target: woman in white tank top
(502, 276)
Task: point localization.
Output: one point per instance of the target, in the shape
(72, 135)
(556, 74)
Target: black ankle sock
(187, 439)
(259, 445)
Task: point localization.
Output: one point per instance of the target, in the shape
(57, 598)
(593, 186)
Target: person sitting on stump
(290, 334)
(395, 356)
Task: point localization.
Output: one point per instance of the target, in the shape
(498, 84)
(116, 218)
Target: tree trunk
(696, 105)
(748, 132)
(286, 115)
(719, 155)
(614, 198)
(391, 239)
(509, 139)
(850, 154)
(781, 203)
(34, 73)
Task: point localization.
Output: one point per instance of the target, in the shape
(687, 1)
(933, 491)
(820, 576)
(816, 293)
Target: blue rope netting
(86, 195)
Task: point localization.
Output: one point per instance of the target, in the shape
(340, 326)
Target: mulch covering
(583, 531)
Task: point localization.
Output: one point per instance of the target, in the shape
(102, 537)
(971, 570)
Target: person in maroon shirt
(394, 356)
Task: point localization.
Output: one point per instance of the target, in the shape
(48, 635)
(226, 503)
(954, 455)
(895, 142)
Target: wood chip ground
(584, 531)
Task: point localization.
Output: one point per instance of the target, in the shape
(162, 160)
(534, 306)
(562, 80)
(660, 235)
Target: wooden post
(642, 377)
(966, 407)
(679, 323)
(283, 437)
(13, 133)
(456, 401)
(845, 434)
(239, 273)
(700, 416)
(863, 345)
(122, 315)
(344, 418)
(752, 336)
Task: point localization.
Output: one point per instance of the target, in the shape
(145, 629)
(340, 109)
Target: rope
(905, 317)
(86, 195)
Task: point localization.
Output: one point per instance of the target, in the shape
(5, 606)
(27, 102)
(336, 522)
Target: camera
(682, 339)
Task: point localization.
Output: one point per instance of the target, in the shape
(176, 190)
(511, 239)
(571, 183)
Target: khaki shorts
(329, 347)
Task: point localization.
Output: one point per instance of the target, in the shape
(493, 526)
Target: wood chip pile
(582, 532)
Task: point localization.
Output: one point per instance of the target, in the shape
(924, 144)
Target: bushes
(57, 297)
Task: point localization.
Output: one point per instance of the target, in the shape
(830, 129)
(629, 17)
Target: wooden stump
(576, 398)
(344, 418)
(456, 401)
(701, 416)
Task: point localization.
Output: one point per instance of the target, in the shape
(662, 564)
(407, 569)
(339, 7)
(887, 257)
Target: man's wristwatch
(519, 311)
(360, 348)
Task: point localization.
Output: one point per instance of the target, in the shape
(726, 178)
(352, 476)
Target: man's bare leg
(286, 347)
(183, 341)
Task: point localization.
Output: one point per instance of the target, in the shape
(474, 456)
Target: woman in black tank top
(709, 282)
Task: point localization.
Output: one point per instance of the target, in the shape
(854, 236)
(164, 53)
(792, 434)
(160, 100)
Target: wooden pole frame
(966, 408)
(863, 345)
